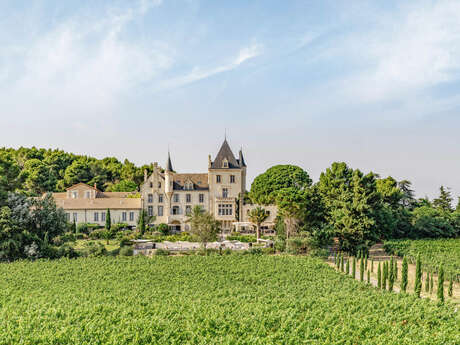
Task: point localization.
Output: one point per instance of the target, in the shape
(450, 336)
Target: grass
(237, 299)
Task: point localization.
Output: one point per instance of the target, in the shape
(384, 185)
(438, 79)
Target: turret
(169, 176)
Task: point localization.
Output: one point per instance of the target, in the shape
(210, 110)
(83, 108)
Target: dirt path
(411, 279)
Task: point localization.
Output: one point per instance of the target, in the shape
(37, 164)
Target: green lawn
(236, 299)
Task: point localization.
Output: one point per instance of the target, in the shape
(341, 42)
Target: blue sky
(300, 82)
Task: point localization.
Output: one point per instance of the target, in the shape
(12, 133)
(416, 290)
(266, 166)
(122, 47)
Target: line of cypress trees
(353, 272)
(450, 291)
(441, 284)
(427, 282)
(361, 270)
(379, 276)
(404, 272)
(391, 278)
(418, 276)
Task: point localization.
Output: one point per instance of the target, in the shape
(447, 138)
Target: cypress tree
(74, 227)
(342, 264)
(395, 270)
(431, 283)
(451, 286)
(379, 277)
(427, 282)
(361, 270)
(348, 266)
(336, 258)
(441, 284)
(372, 265)
(368, 276)
(142, 222)
(353, 272)
(418, 277)
(404, 272)
(391, 278)
(385, 276)
(108, 221)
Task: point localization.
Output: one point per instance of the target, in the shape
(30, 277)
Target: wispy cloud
(199, 73)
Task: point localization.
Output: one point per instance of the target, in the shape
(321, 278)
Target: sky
(373, 84)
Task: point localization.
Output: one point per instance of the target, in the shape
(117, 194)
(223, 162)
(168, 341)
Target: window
(102, 216)
(201, 198)
(131, 216)
(160, 211)
(87, 194)
(176, 198)
(160, 198)
(96, 216)
(75, 217)
(67, 216)
(175, 210)
(123, 216)
(225, 163)
(74, 195)
(159, 184)
(151, 184)
(224, 192)
(188, 198)
(218, 178)
(225, 209)
(150, 211)
(232, 178)
(150, 198)
(188, 210)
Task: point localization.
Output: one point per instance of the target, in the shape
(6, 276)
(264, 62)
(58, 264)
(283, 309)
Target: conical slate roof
(225, 152)
(169, 164)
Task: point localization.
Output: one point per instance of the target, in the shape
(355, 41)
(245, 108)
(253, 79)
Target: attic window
(225, 163)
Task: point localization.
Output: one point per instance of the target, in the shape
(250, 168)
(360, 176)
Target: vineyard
(432, 252)
(244, 299)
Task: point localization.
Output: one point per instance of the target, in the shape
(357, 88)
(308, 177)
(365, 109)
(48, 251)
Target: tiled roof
(200, 181)
(99, 203)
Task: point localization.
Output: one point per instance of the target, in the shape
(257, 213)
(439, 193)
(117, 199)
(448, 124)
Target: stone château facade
(168, 196)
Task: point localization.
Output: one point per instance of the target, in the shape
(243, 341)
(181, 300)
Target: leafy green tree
(431, 222)
(9, 172)
(404, 275)
(163, 228)
(265, 188)
(291, 204)
(351, 203)
(37, 177)
(458, 205)
(444, 201)
(108, 220)
(257, 216)
(203, 225)
(418, 276)
(123, 186)
(441, 283)
(78, 171)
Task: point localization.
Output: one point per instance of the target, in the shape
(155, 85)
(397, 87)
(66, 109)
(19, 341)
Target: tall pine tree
(108, 220)
(444, 201)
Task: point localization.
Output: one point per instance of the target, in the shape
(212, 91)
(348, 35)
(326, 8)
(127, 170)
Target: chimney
(95, 187)
(209, 161)
(145, 175)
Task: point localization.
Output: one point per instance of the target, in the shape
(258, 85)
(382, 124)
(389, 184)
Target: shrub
(280, 245)
(98, 234)
(126, 251)
(243, 238)
(316, 252)
(86, 228)
(118, 227)
(163, 229)
(162, 252)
